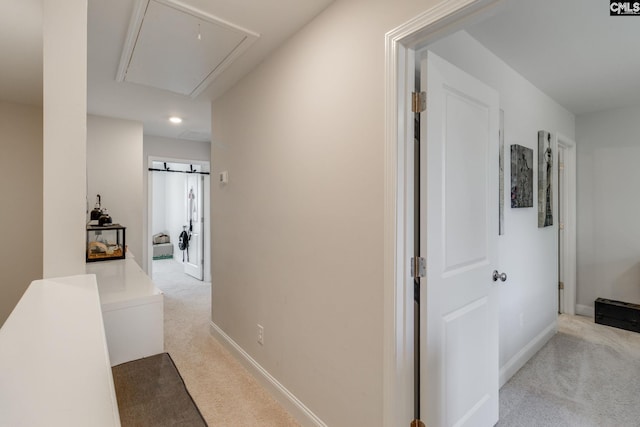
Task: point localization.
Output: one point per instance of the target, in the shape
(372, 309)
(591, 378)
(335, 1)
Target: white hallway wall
(298, 232)
(176, 209)
(58, 159)
(169, 201)
(21, 201)
(117, 169)
(159, 218)
(114, 151)
(608, 207)
(528, 254)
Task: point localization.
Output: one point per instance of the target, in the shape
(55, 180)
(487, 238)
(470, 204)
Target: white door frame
(569, 202)
(206, 202)
(400, 48)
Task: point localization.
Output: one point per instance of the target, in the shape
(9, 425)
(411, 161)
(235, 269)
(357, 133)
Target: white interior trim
(400, 46)
(585, 310)
(398, 329)
(287, 399)
(570, 251)
(527, 352)
(137, 15)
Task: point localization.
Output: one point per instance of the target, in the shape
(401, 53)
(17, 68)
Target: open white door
(566, 149)
(458, 235)
(194, 260)
(562, 213)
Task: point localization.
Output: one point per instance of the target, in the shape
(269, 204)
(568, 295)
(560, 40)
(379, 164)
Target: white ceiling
(108, 22)
(571, 49)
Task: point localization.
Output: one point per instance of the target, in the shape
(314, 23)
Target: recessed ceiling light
(175, 120)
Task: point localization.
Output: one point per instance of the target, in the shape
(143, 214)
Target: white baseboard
(290, 402)
(585, 310)
(523, 356)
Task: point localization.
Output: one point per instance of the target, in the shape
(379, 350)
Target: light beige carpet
(587, 375)
(226, 394)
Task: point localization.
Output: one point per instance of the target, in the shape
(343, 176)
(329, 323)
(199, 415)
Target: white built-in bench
(132, 308)
(54, 363)
(59, 343)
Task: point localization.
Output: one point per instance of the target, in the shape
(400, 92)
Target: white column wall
(65, 133)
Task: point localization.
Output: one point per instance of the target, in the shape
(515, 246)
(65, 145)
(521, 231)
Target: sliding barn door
(194, 260)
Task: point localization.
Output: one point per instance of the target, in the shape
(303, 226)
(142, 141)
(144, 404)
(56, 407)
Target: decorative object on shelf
(105, 242)
(521, 177)
(97, 210)
(99, 215)
(545, 175)
(105, 219)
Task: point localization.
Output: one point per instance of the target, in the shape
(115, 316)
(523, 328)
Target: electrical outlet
(260, 335)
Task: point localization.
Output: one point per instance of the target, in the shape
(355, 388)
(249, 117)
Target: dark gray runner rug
(151, 392)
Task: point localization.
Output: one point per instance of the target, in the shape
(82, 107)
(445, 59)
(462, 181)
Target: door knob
(501, 276)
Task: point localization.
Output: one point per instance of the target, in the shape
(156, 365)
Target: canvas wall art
(545, 175)
(521, 177)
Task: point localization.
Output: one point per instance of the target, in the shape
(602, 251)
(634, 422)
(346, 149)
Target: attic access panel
(173, 47)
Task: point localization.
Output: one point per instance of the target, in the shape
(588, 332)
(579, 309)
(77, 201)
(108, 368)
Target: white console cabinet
(132, 310)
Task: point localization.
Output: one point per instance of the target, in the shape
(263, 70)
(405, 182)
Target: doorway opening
(400, 306)
(561, 224)
(178, 223)
(403, 45)
(566, 169)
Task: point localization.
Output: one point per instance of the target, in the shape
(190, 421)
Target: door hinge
(561, 225)
(418, 102)
(418, 267)
(561, 165)
(417, 423)
(560, 285)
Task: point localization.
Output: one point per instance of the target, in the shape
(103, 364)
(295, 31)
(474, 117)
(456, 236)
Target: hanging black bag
(183, 242)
